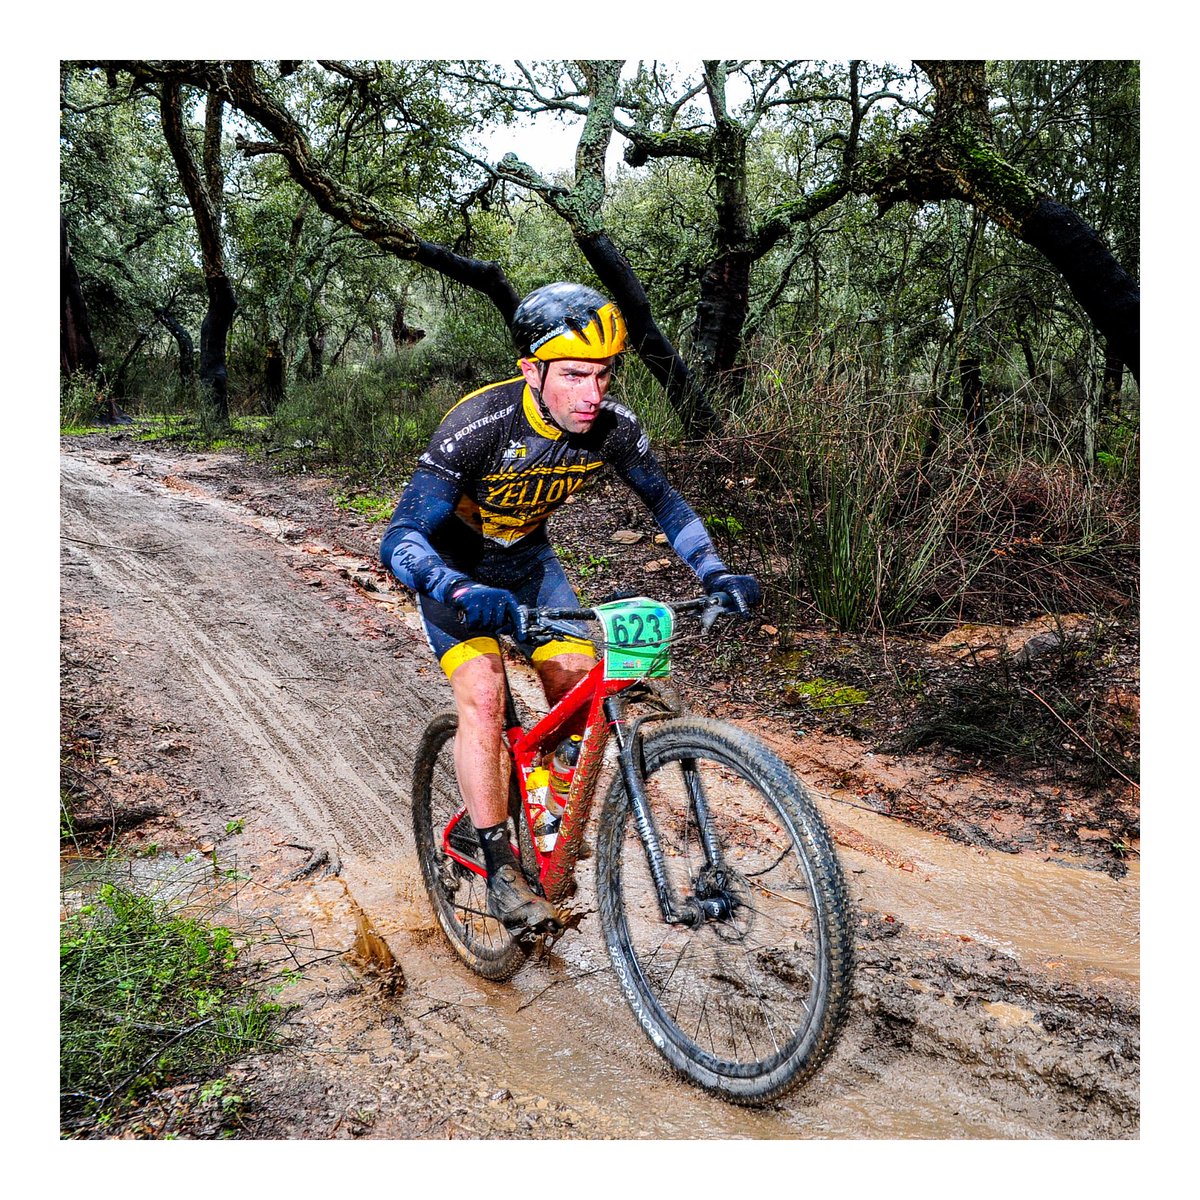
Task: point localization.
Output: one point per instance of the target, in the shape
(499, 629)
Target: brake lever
(716, 608)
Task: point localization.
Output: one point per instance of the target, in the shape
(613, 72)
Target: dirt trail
(250, 670)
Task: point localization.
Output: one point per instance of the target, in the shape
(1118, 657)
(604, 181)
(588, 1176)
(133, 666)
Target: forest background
(892, 310)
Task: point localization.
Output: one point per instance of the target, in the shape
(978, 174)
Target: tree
(580, 206)
(120, 198)
(205, 190)
(738, 239)
(953, 157)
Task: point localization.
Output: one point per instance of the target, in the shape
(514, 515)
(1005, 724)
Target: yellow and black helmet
(568, 320)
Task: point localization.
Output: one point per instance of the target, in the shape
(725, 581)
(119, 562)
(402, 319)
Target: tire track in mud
(315, 767)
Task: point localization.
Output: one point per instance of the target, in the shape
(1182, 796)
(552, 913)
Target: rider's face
(573, 389)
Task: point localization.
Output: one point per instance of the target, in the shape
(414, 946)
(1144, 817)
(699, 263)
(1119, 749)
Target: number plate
(637, 637)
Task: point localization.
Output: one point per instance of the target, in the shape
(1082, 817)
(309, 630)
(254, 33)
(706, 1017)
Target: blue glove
(487, 609)
(743, 590)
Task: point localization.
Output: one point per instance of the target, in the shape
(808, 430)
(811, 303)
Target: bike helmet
(568, 320)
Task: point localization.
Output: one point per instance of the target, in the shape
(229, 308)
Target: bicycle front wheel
(458, 895)
(749, 1001)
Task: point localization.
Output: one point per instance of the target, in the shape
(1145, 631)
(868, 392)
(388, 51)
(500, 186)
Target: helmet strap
(543, 370)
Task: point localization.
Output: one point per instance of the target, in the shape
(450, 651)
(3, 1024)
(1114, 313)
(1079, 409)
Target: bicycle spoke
(459, 895)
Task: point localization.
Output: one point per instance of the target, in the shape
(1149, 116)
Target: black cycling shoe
(517, 906)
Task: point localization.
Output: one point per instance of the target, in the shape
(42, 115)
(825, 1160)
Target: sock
(497, 850)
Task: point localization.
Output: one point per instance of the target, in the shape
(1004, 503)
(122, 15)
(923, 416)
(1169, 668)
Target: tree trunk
(724, 300)
(204, 196)
(183, 339)
(970, 376)
(720, 319)
(652, 345)
(78, 351)
(214, 338)
(315, 333)
(273, 376)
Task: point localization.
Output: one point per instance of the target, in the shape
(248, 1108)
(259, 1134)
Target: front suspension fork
(691, 910)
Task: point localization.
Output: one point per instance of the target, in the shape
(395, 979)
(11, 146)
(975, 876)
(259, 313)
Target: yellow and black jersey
(514, 468)
(495, 469)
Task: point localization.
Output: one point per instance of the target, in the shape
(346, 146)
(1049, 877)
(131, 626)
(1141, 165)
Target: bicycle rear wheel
(747, 1003)
(458, 894)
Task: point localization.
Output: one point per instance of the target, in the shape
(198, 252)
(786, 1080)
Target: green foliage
(374, 508)
(870, 498)
(723, 525)
(825, 695)
(585, 564)
(78, 404)
(150, 993)
(367, 419)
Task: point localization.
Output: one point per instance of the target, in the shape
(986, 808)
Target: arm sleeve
(407, 550)
(685, 531)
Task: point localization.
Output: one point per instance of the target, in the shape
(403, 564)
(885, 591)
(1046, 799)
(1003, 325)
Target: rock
(627, 537)
(1022, 643)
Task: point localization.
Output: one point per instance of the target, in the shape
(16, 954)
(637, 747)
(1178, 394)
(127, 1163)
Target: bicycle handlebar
(534, 619)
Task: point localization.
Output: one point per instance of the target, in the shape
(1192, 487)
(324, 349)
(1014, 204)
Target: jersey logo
(515, 449)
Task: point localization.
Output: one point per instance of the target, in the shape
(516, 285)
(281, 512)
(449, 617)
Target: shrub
(151, 992)
(845, 499)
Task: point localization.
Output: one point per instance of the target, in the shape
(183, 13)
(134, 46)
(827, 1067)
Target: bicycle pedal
(540, 937)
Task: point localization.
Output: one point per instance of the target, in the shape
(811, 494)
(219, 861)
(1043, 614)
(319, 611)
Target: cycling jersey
(493, 472)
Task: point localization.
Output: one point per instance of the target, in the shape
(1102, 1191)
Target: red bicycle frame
(528, 747)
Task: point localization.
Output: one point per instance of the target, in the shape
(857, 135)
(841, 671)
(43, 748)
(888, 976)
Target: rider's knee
(562, 672)
(479, 693)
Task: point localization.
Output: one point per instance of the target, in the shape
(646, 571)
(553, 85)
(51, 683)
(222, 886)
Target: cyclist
(469, 537)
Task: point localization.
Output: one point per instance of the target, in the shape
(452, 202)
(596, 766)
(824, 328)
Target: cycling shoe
(517, 906)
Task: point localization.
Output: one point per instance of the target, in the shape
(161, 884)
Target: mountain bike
(721, 899)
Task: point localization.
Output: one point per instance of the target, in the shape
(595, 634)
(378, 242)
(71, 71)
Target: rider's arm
(685, 531)
(426, 507)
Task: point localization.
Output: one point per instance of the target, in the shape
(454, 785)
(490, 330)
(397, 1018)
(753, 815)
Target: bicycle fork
(692, 910)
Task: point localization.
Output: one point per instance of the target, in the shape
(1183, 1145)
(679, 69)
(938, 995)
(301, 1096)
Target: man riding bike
(469, 537)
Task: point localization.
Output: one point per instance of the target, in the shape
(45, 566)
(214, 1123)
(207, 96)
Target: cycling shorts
(533, 574)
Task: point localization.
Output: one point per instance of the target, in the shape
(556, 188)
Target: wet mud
(235, 669)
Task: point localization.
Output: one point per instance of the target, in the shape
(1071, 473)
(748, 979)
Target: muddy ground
(233, 659)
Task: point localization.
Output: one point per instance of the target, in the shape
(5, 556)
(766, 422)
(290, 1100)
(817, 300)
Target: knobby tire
(748, 1006)
(458, 895)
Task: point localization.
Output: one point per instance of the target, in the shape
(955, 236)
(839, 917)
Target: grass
(154, 990)
(373, 507)
(838, 496)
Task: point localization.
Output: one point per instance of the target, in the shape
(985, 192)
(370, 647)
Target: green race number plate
(637, 637)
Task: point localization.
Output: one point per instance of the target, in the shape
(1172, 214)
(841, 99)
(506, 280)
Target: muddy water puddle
(1048, 914)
